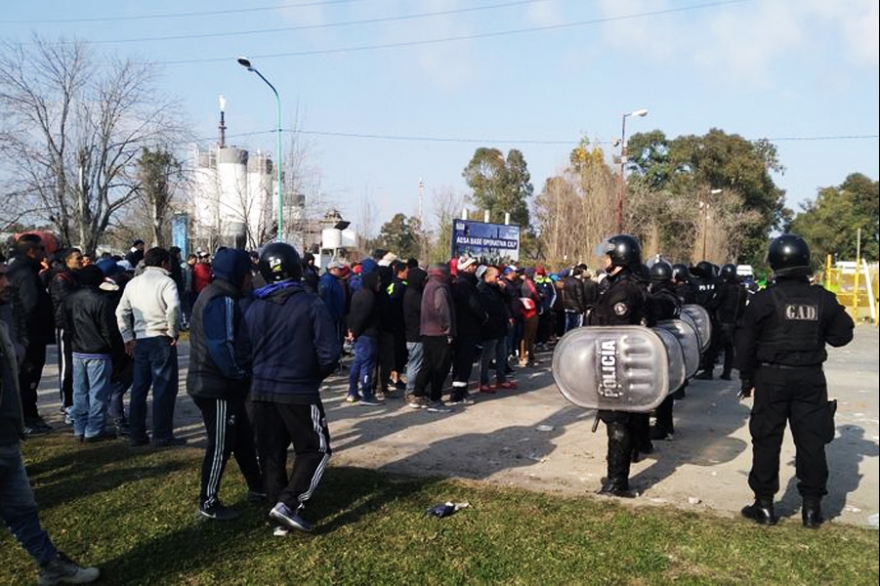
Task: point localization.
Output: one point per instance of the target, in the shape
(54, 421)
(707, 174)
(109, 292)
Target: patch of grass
(133, 513)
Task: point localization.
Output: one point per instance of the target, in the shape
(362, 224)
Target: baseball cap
(465, 261)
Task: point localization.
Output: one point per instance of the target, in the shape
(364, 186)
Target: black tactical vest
(794, 335)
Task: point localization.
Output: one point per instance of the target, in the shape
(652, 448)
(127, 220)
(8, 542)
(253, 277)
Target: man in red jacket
(201, 273)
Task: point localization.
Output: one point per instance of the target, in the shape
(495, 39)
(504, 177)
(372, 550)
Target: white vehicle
(745, 271)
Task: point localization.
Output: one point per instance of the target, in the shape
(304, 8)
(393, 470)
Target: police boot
(619, 454)
(761, 512)
(811, 512)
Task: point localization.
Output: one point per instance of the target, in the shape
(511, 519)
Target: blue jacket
(333, 295)
(293, 343)
(218, 365)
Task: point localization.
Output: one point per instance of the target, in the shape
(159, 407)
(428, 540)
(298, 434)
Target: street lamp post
(704, 207)
(621, 199)
(245, 62)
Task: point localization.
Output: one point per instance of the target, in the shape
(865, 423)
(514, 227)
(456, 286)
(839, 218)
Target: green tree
(402, 236)
(830, 223)
(687, 164)
(501, 185)
(159, 172)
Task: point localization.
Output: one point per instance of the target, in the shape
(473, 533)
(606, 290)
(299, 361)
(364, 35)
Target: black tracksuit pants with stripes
(305, 426)
(229, 432)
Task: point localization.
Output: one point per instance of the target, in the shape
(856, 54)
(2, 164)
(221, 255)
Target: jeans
(155, 363)
(414, 364)
(116, 407)
(573, 320)
(494, 350)
(91, 391)
(19, 509)
(366, 349)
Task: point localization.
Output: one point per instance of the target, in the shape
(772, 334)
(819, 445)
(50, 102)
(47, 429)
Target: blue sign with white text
(488, 242)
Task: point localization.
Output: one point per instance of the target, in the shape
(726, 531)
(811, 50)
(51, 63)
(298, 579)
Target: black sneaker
(170, 442)
(218, 512)
(288, 518)
(63, 570)
(138, 442)
(705, 375)
(256, 496)
(36, 426)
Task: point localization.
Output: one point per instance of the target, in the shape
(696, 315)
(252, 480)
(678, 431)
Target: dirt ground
(533, 438)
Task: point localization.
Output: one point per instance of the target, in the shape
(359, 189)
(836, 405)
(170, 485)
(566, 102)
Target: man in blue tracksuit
(293, 345)
(218, 381)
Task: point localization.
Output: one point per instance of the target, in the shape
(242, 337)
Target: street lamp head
(222, 101)
(245, 62)
(640, 113)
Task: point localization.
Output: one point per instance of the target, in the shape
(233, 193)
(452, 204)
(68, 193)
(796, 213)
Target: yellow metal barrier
(856, 286)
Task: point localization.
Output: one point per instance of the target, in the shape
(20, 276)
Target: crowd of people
(117, 322)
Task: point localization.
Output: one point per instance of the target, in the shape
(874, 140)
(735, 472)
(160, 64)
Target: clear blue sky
(532, 75)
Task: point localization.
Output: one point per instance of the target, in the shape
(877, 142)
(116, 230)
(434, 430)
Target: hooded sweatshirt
(292, 341)
(218, 369)
(363, 320)
(412, 304)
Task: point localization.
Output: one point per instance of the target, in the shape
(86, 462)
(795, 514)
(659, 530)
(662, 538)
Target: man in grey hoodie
(149, 316)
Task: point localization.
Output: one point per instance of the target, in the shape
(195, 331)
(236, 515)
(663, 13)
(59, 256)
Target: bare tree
(72, 131)
(576, 210)
(447, 203)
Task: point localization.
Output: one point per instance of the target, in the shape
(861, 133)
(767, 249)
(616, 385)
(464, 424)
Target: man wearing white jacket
(148, 316)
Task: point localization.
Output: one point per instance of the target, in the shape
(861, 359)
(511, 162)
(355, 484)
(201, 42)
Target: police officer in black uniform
(621, 304)
(780, 350)
(663, 304)
(684, 284)
(732, 298)
(707, 296)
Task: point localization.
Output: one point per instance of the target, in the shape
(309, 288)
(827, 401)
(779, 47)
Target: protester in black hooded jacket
(219, 378)
(412, 319)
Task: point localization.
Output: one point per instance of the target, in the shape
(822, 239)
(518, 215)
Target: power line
(181, 14)
(466, 140)
(467, 37)
(377, 20)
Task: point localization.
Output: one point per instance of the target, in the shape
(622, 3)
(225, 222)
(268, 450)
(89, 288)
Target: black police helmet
(661, 272)
(789, 256)
(681, 273)
(280, 262)
(728, 272)
(623, 250)
(704, 270)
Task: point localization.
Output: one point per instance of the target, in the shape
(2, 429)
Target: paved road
(533, 438)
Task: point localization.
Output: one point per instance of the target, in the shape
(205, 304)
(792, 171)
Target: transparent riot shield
(702, 321)
(687, 337)
(674, 357)
(621, 368)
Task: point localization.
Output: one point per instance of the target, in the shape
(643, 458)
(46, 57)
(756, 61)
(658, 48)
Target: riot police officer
(780, 350)
(663, 304)
(621, 303)
(707, 296)
(684, 286)
(732, 298)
